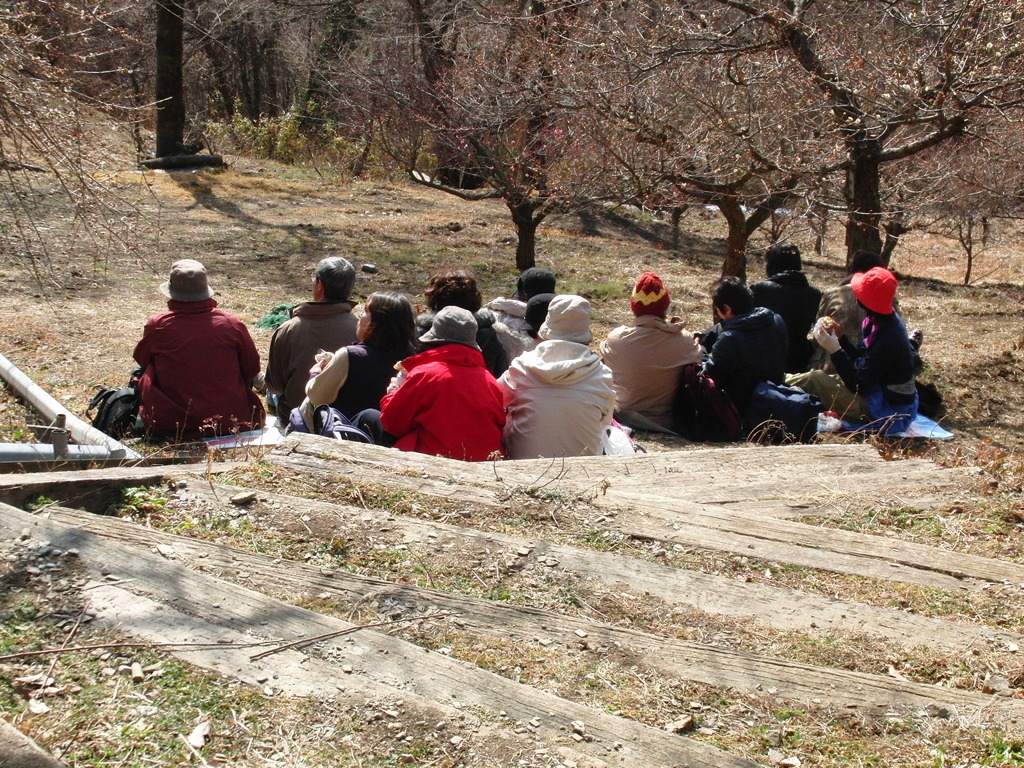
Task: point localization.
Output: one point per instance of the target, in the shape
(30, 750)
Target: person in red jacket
(198, 363)
(446, 403)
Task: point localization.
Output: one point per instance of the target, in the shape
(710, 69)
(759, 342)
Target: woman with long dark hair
(356, 377)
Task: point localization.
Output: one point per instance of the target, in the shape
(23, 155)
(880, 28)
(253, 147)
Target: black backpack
(116, 410)
(702, 411)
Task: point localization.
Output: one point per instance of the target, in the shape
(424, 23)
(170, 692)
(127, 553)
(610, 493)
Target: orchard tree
(169, 77)
(59, 72)
(972, 194)
(475, 106)
(675, 122)
(892, 78)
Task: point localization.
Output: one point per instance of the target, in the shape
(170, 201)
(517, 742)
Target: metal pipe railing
(46, 406)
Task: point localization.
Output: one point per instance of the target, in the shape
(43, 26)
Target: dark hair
(337, 275)
(537, 312)
(862, 261)
(534, 281)
(453, 288)
(731, 292)
(782, 257)
(392, 323)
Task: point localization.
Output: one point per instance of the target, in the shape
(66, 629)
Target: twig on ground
(426, 569)
(107, 646)
(192, 749)
(210, 457)
(117, 583)
(341, 632)
(71, 634)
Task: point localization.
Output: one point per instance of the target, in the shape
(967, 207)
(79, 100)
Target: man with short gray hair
(326, 322)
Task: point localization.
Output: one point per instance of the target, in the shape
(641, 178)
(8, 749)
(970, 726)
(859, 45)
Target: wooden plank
(656, 514)
(773, 606)
(798, 543)
(696, 662)
(850, 475)
(380, 657)
(96, 489)
(297, 674)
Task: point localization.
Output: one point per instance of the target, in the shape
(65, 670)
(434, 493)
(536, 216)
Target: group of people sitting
(517, 377)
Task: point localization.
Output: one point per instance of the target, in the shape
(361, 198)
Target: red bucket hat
(875, 289)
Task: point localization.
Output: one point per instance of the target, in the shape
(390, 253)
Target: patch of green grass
(602, 541)
(598, 291)
(1004, 752)
(38, 502)
(141, 501)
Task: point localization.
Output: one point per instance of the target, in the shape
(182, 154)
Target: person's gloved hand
(828, 340)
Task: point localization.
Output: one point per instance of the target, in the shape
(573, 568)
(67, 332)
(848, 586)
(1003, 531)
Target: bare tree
(59, 74)
(170, 86)
(971, 194)
(475, 107)
(674, 120)
(892, 78)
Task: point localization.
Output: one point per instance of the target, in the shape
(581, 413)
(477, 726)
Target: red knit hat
(650, 296)
(875, 289)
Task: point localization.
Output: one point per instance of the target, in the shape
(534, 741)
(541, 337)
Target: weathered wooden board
(380, 657)
(657, 514)
(716, 595)
(852, 475)
(95, 489)
(797, 543)
(695, 662)
(298, 674)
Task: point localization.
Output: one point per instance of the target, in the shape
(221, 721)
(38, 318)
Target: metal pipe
(16, 453)
(47, 407)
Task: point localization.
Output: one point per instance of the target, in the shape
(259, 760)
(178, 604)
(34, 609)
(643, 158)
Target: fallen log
(173, 162)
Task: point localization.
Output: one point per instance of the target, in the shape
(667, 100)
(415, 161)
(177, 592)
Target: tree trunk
(966, 236)
(170, 90)
(894, 229)
(526, 224)
(864, 198)
(735, 263)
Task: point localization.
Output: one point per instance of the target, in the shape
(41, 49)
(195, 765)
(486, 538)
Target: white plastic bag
(615, 441)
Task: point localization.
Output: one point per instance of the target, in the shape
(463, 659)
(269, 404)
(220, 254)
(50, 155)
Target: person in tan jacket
(326, 323)
(647, 357)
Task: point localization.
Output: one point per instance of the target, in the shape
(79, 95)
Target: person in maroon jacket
(445, 402)
(198, 363)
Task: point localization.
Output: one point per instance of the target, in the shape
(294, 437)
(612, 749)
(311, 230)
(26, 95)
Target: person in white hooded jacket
(559, 395)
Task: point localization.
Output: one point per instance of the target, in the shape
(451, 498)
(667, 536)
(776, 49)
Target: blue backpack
(779, 414)
(328, 422)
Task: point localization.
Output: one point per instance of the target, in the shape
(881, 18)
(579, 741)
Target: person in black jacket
(749, 344)
(787, 293)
